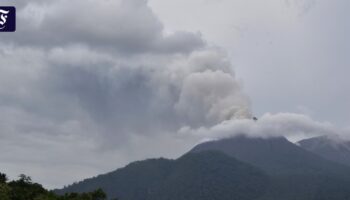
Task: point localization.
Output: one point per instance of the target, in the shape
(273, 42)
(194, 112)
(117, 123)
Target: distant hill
(329, 147)
(239, 168)
(195, 176)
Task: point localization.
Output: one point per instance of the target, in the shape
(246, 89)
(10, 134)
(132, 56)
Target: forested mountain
(207, 175)
(329, 147)
(234, 168)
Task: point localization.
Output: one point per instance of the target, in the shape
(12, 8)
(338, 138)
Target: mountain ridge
(274, 154)
(332, 148)
(271, 169)
(203, 175)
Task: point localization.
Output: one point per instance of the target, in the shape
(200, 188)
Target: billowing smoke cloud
(212, 96)
(92, 76)
(123, 76)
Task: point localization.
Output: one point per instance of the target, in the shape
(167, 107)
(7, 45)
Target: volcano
(241, 168)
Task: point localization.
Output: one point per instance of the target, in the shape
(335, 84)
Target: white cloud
(290, 125)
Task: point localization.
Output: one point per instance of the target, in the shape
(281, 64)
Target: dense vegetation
(25, 189)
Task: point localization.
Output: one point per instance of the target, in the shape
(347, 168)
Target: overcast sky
(87, 86)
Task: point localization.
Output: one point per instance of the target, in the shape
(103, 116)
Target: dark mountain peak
(242, 142)
(333, 148)
(274, 154)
